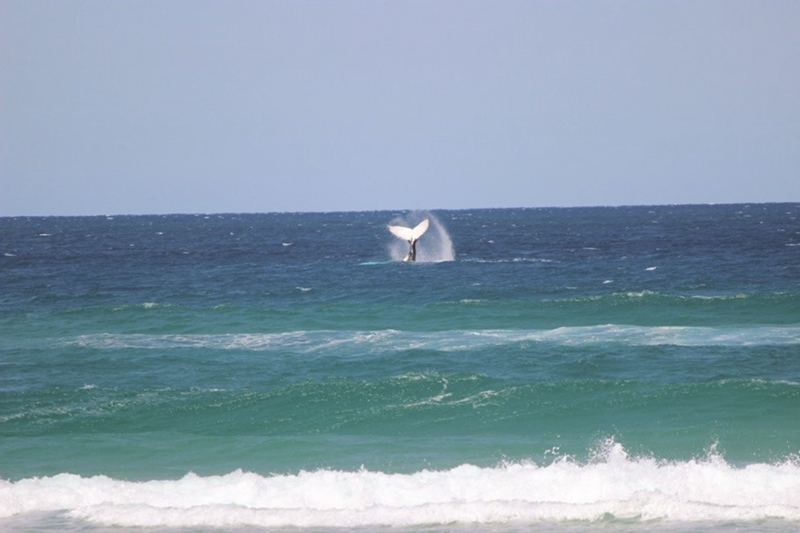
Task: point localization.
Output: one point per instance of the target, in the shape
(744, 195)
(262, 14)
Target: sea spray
(435, 246)
(613, 486)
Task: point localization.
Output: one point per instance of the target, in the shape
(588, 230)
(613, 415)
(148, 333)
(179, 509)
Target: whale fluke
(408, 234)
(411, 235)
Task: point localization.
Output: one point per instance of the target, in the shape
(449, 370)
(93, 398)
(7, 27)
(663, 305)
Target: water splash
(434, 246)
(615, 487)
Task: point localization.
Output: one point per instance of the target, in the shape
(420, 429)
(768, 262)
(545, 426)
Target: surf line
(411, 235)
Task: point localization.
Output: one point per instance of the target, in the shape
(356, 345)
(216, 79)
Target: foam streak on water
(314, 341)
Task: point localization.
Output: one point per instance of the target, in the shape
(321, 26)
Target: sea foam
(612, 485)
(312, 341)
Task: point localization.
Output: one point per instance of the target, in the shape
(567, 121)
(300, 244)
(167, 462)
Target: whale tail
(411, 235)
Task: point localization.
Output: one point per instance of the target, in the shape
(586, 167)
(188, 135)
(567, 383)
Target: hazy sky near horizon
(134, 107)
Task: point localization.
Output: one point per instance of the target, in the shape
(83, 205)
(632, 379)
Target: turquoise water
(558, 368)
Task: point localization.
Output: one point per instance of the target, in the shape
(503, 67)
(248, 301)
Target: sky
(197, 106)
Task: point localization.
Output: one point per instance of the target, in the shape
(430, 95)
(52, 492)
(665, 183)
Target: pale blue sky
(256, 106)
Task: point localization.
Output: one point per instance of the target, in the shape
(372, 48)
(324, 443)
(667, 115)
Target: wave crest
(613, 484)
(454, 340)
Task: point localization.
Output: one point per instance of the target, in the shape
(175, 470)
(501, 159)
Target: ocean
(565, 369)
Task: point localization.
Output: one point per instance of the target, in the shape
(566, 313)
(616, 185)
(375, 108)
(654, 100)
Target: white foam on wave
(451, 340)
(614, 484)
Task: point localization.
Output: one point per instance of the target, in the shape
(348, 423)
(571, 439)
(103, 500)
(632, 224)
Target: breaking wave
(613, 484)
